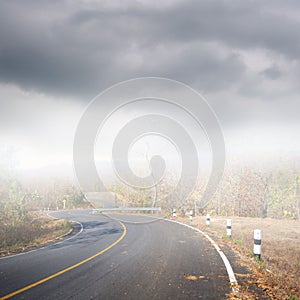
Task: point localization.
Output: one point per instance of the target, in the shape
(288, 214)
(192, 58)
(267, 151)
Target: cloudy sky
(55, 56)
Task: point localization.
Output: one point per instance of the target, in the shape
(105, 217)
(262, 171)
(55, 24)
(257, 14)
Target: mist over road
(140, 258)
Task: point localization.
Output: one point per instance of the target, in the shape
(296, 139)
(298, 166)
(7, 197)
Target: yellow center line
(26, 288)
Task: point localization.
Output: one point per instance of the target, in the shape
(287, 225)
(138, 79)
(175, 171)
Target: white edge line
(226, 262)
(44, 247)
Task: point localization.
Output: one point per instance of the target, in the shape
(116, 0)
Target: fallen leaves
(193, 277)
(277, 276)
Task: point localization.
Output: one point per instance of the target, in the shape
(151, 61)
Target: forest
(244, 191)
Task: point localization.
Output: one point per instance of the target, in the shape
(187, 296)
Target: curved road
(133, 259)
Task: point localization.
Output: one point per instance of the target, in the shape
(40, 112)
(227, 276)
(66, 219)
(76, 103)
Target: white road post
(207, 219)
(257, 244)
(191, 215)
(228, 227)
(174, 213)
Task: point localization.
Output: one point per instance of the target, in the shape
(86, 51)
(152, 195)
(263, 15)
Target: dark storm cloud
(243, 24)
(272, 72)
(79, 48)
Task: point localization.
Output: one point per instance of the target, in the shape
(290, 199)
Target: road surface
(138, 258)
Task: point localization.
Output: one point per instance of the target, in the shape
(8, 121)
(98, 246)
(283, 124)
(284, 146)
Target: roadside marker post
(191, 215)
(257, 244)
(228, 227)
(174, 213)
(207, 220)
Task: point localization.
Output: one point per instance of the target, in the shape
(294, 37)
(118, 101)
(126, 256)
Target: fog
(242, 57)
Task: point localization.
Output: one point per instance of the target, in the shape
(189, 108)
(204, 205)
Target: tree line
(17, 200)
(243, 191)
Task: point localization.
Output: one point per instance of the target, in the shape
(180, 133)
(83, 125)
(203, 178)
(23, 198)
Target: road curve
(132, 259)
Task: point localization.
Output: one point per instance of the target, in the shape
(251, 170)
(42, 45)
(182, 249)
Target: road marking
(67, 269)
(232, 279)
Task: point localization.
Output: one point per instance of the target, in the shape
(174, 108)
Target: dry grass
(37, 230)
(278, 274)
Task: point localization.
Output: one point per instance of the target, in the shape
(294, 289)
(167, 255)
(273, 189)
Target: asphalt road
(141, 259)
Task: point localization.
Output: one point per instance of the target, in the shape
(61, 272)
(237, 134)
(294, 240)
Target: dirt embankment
(36, 231)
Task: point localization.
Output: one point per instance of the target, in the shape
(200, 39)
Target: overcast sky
(55, 56)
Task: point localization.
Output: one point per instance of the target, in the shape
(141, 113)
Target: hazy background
(55, 56)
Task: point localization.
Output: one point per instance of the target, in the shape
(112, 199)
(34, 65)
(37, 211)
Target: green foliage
(73, 196)
(239, 241)
(16, 201)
